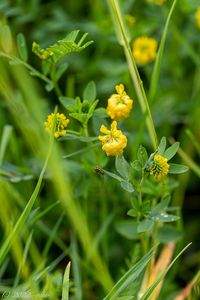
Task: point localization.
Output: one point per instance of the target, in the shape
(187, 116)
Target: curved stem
(29, 67)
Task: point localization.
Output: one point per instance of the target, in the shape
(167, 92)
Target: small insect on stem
(99, 171)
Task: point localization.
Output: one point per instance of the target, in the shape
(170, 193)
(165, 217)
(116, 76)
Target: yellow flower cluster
(159, 2)
(197, 17)
(42, 53)
(61, 123)
(114, 141)
(144, 50)
(119, 105)
(160, 167)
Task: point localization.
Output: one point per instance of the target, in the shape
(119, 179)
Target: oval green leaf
(177, 169)
(171, 151)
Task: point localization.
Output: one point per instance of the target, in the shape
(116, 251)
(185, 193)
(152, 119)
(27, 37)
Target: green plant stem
(133, 71)
(34, 72)
(143, 237)
(57, 89)
(29, 67)
(85, 130)
(140, 192)
(73, 132)
(55, 83)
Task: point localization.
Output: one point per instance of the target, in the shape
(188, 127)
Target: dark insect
(99, 171)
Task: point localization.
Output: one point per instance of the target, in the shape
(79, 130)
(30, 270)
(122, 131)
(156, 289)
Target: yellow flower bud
(120, 104)
(61, 123)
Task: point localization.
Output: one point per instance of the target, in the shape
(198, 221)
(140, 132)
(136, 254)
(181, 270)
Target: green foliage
(142, 156)
(171, 151)
(23, 218)
(76, 211)
(122, 167)
(65, 287)
(22, 47)
(145, 225)
(89, 92)
(157, 65)
(162, 145)
(168, 233)
(161, 277)
(7, 130)
(127, 229)
(177, 169)
(129, 277)
(63, 47)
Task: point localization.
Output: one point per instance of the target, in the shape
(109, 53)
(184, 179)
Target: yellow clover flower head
(120, 104)
(158, 2)
(144, 50)
(197, 17)
(61, 123)
(160, 167)
(114, 141)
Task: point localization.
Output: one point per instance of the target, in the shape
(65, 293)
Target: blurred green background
(58, 236)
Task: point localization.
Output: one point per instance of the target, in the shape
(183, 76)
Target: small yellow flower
(114, 141)
(42, 53)
(61, 123)
(197, 17)
(144, 50)
(119, 105)
(158, 2)
(160, 167)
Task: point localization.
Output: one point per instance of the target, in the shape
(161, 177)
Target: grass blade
(77, 276)
(26, 212)
(24, 258)
(4, 141)
(157, 66)
(129, 276)
(150, 290)
(65, 288)
(138, 84)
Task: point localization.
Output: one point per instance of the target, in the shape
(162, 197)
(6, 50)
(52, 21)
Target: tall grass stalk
(138, 84)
